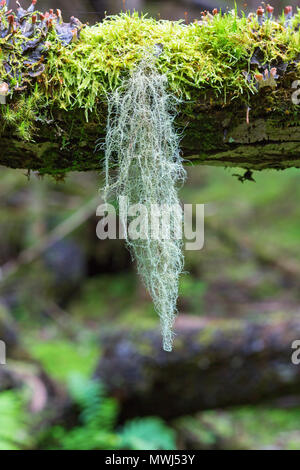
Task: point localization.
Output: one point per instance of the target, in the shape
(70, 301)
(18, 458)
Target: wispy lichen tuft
(142, 143)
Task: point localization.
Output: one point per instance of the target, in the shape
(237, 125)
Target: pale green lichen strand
(142, 143)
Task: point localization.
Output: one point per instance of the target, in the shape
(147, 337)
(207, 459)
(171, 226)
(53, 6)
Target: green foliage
(205, 58)
(14, 431)
(23, 114)
(96, 407)
(194, 56)
(98, 417)
(206, 55)
(147, 434)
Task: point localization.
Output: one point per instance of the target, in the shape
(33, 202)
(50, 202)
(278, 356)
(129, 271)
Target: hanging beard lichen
(143, 147)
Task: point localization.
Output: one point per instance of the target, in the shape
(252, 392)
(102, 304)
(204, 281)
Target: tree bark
(213, 134)
(215, 363)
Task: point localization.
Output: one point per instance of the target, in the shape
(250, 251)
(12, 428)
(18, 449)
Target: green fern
(97, 409)
(98, 416)
(147, 434)
(14, 433)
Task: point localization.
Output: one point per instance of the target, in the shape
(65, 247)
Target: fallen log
(215, 363)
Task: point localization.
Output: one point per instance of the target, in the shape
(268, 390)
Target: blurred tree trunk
(215, 363)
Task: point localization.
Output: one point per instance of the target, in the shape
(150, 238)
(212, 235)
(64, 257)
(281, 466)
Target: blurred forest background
(84, 367)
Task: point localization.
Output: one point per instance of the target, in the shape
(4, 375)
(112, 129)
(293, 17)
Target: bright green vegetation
(210, 55)
(96, 429)
(247, 427)
(14, 432)
(24, 113)
(194, 56)
(62, 357)
(203, 60)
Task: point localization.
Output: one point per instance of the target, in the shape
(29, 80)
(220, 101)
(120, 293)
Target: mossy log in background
(232, 74)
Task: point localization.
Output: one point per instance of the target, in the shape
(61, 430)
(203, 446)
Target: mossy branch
(233, 74)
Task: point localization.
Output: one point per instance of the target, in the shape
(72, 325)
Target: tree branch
(211, 136)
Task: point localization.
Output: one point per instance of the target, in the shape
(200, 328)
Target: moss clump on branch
(217, 65)
(128, 67)
(213, 54)
(218, 57)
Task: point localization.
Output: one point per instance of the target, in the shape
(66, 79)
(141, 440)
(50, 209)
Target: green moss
(204, 58)
(210, 56)
(23, 113)
(194, 56)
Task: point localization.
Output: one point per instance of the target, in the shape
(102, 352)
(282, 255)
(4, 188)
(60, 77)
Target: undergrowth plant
(96, 429)
(143, 145)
